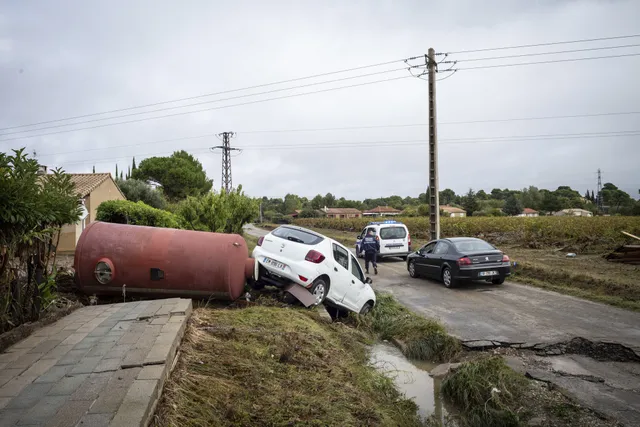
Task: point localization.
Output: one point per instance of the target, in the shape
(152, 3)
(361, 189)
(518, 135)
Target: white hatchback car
(294, 255)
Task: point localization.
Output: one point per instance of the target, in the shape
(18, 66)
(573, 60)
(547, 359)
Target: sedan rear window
(388, 233)
(472, 246)
(299, 236)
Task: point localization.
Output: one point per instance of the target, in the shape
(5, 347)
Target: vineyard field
(580, 233)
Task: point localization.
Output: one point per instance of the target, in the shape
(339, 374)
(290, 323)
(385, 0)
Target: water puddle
(412, 378)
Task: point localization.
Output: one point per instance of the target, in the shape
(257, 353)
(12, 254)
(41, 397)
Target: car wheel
(412, 269)
(447, 278)
(498, 281)
(320, 289)
(366, 309)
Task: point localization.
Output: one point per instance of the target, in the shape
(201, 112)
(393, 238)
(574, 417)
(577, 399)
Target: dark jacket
(370, 244)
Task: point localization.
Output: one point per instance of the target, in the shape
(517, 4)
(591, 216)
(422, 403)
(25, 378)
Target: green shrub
(218, 212)
(136, 190)
(33, 209)
(136, 213)
(487, 392)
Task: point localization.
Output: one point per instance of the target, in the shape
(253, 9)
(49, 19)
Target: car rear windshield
(295, 235)
(388, 233)
(472, 246)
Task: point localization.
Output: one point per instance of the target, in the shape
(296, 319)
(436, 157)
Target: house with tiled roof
(382, 211)
(453, 211)
(341, 212)
(92, 189)
(528, 212)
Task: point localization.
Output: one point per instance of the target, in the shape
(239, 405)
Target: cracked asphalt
(517, 314)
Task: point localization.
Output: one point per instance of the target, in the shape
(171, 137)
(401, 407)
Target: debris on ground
(628, 254)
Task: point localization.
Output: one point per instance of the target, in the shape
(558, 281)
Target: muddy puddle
(412, 378)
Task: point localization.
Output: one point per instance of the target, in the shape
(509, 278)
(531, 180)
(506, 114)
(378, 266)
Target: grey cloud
(82, 57)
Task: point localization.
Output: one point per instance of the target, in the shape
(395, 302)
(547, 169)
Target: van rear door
(393, 239)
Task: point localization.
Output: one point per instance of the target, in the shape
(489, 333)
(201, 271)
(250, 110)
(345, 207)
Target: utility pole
(599, 196)
(226, 184)
(434, 199)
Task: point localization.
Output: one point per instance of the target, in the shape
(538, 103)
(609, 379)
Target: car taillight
(260, 240)
(464, 261)
(409, 238)
(314, 257)
(505, 258)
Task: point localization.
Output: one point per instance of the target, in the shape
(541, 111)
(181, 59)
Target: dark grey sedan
(459, 259)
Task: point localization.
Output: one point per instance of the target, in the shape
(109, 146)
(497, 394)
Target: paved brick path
(100, 366)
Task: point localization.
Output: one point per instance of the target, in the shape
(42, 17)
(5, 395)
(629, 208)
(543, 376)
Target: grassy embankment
(278, 366)
(270, 364)
(539, 247)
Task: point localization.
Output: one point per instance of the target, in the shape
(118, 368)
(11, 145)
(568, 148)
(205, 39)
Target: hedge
(136, 213)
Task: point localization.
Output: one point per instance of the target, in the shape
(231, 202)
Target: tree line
(498, 202)
(161, 182)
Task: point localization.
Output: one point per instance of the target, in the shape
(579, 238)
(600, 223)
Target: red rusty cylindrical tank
(161, 262)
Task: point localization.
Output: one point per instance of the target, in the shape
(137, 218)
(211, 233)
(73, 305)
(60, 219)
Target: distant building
(573, 212)
(528, 212)
(318, 212)
(341, 212)
(92, 189)
(382, 211)
(453, 211)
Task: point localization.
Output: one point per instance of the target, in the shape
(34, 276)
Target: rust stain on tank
(161, 261)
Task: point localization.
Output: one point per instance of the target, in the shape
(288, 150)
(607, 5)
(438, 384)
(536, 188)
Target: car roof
(306, 230)
(327, 239)
(461, 239)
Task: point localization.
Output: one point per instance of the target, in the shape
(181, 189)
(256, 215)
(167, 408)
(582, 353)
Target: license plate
(488, 273)
(273, 263)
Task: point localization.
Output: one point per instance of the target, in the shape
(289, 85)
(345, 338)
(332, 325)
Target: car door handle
(335, 268)
(353, 281)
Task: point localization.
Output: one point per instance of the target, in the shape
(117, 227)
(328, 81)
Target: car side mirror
(359, 237)
(368, 281)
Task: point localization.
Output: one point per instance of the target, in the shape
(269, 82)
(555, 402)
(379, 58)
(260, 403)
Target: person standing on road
(370, 245)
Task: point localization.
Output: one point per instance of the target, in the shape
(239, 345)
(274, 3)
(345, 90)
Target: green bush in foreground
(486, 391)
(136, 213)
(419, 338)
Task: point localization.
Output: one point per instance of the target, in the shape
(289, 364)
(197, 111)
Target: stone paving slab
(101, 365)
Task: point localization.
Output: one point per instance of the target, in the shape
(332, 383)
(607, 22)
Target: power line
(548, 62)
(491, 58)
(208, 109)
(524, 46)
(391, 143)
(204, 102)
(570, 116)
(207, 135)
(211, 94)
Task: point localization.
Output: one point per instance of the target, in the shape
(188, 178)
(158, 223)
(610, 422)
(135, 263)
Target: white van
(394, 237)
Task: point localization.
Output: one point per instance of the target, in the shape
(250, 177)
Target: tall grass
(419, 338)
(487, 392)
(269, 366)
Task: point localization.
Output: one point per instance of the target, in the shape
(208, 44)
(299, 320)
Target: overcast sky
(62, 59)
